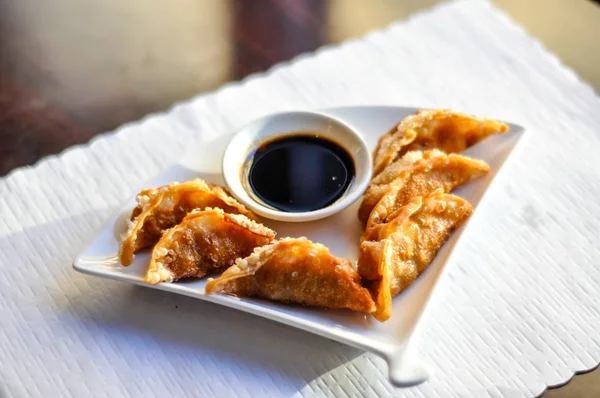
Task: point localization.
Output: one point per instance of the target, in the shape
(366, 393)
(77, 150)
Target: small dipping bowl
(240, 151)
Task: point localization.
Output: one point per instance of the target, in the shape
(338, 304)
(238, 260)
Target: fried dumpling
(394, 254)
(162, 208)
(296, 271)
(444, 129)
(435, 170)
(205, 241)
(379, 184)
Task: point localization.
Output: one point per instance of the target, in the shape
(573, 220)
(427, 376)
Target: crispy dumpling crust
(389, 145)
(394, 254)
(443, 129)
(296, 271)
(205, 241)
(435, 170)
(162, 208)
(379, 184)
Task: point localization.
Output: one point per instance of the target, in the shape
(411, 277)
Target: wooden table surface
(72, 69)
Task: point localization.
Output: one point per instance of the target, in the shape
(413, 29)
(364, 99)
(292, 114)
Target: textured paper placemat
(517, 312)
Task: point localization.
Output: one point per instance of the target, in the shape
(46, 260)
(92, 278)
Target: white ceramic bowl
(282, 124)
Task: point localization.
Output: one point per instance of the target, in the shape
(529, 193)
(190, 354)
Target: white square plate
(339, 232)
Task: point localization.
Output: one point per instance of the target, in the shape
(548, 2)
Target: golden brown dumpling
(394, 254)
(435, 170)
(379, 184)
(206, 241)
(296, 271)
(162, 208)
(444, 129)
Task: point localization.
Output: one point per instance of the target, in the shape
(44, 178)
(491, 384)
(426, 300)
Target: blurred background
(71, 69)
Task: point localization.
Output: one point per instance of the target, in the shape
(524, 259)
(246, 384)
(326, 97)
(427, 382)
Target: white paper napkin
(517, 312)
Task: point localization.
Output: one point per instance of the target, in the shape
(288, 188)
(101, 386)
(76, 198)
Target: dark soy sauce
(300, 173)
